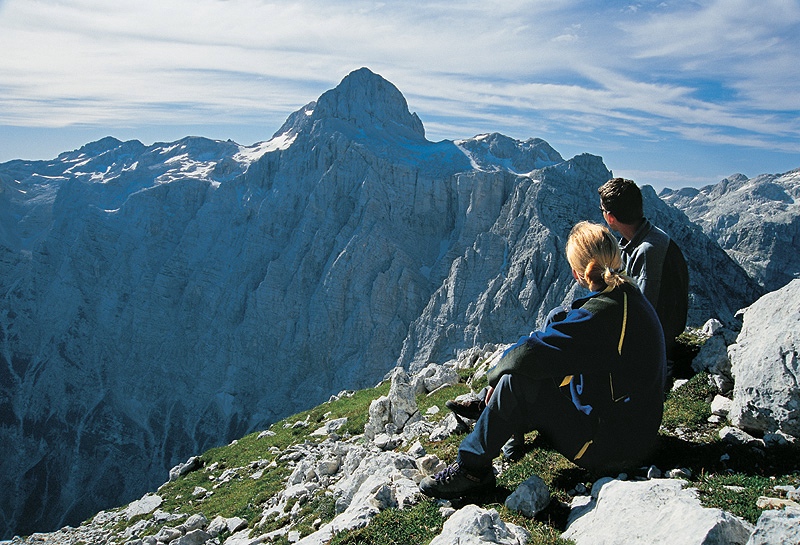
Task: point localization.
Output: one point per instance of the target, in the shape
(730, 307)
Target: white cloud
(722, 71)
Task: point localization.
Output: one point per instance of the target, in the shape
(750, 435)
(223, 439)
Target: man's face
(605, 213)
(609, 218)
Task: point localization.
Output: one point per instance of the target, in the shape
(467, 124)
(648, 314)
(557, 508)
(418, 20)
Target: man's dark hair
(622, 198)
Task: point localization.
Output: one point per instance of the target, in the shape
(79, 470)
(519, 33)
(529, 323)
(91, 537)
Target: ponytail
(593, 252)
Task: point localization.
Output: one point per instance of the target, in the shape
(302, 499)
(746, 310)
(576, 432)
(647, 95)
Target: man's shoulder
(655, 235)
(649, 240)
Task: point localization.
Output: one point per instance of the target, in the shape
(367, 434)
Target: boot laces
(448, 473)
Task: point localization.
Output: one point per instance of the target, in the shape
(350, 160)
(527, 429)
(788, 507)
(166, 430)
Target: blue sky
(671, 94)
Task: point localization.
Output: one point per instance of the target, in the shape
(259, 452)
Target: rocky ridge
(757, 221)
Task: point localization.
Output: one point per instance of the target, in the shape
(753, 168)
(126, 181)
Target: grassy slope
(733, 482)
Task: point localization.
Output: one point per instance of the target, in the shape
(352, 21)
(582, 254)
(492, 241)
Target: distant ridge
(757, 221)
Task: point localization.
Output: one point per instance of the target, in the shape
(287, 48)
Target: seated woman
(591, 383)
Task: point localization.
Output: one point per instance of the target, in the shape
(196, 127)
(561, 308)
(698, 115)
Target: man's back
(657, 264)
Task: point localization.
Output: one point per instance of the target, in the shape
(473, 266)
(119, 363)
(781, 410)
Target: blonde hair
(593, 253)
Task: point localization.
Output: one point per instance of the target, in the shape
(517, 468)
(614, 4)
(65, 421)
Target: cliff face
(159, 300)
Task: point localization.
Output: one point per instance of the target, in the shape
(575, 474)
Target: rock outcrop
(765, 363)
(651, 512)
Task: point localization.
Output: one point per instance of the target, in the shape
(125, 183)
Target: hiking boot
(471, 409)
(454, 482)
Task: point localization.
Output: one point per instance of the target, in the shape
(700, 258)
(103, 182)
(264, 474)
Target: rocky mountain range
(160, 300)
(756, 221)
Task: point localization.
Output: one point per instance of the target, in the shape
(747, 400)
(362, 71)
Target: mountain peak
(370, 102)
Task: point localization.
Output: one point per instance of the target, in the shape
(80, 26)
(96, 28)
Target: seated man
(650, 257)
(590, 383)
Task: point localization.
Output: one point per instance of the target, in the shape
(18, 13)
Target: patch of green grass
(690, 405)
(245, 497)
(412, 526)
(738, 493)
(322, 507)
(558, 473)
(480, 383)
(542, 532)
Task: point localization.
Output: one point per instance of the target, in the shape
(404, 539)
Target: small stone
(167, 534)
(430, 464)
(416, 450)
(765, 502)
(147, 504)
(775, 439)
(678, 383)
(721, 406)
(711, 327)
(194, 537)
(195, 521)
(679, 473)
(192, 464)
(735, 436)
(530, 498)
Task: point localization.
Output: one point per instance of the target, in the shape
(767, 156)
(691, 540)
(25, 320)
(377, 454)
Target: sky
(671, 94)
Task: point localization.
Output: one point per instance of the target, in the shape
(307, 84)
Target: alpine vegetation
(347, 470)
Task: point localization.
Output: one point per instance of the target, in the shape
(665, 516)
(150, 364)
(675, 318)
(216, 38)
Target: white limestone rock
(433, 377)
(193, 537)
(721, 405)
(736, 436)
(391, 413)
(380, 481)
(147, 504)
(194, 522)
(651, 513)
(222, 524)
(329, 427)
(711, 327)
(242, 537)
(766, 365)
(713, 358)
(777, 527)
(473, 525)
(192, 464)
(447, 426)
